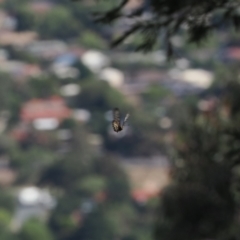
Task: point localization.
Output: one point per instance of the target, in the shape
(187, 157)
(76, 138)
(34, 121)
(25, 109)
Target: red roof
(19, 135)
(53, 107)
(41, 6)
(143, 195)
(234, 53)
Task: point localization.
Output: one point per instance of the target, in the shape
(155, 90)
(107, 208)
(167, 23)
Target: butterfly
(116, 123)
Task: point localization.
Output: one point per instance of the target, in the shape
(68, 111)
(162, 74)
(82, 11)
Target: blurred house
(233, 53)
(20, 131)
(132, 91)
(132, 4)
(95, 60)
(70, 90)
(40, 7)
(7, 22)
(113, 76)
(66, 59)
(197, 77)
(229, 52)
(17, 39)
(147, 176)
(136, 82)
(32, 202)
(76, 50)
(64, 134)
(155, 57)
(81, 115)
(48, 49)
(142, 196)
(65, 72)
(182, 63)
(3, 54)
(7, 175)
(45, 114)
(146, 76)
(188, 81)
(4, 118)
(95, 140)
(19, 70)
(62, 65)
(207, 105)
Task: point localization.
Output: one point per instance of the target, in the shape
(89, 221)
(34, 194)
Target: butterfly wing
(125, 119)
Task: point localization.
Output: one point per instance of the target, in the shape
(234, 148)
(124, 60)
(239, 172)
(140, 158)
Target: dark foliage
(202, 202)
(156, 17)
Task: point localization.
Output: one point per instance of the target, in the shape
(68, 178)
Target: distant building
(64, 72)
(70, 90)
(7, 175)
(17, 39)
(62, 65)
(188, 81)
(20, 70)
(145, 76)
(155, 57)
(233, 53)
(147, 176)
(3, 55)
(76, 50)
(67, 59)
(81, 115)
(198, 77)
(32, 202)
(142, 196)
(95, 60)
(229, 52)
(48, 49)
(48, 112)
(40, 7)
(113, 76)
(7, 22)
(132, 4)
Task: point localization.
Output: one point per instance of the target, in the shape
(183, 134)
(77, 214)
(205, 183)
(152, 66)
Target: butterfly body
(116, 123)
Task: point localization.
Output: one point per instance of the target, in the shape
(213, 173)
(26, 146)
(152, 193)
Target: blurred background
(172, 173)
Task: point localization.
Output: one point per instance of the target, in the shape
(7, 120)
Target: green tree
(99, 96)
(35, 230)
(43, 87)
(26, 19)
(90, 39)
(58, 23)
(27, 161)
(5, 220)
(6, 203)
(193, 211)
(153, 95)
(203, 199)
(98, 221)
(92, 185)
